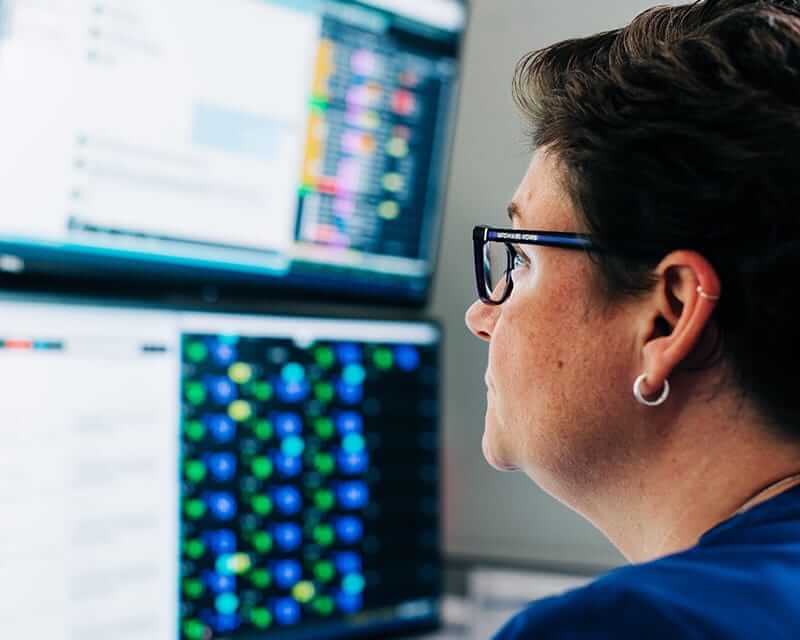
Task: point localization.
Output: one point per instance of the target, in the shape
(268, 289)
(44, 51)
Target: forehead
(541, 201)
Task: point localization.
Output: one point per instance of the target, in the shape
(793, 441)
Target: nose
(480, 320)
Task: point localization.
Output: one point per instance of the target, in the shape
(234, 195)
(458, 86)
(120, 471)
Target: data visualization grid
(309, 482)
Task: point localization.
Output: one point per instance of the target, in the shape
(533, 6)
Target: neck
(664, 506)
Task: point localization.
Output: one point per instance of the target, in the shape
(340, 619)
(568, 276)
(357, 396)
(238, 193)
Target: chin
(493, 460)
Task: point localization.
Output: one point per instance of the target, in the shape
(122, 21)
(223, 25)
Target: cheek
(530, 349)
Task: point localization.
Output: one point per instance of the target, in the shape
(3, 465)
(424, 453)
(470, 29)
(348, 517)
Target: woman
(642, 353)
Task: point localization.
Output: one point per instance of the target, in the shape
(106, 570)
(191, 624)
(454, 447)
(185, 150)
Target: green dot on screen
(195, 430)
(262, 542)
(262, 391)
(196, 351)
(195, 470)
(324, 571)
(261, 618)
(324, 428)
(195, 549)
(195, 393)
(324, 391)
(383, 358)
(262, 468)
(261, 578)
(324, 463)
(263, 430)
(324, 357)
(193, 589)
(194, 630)
(262, 505)
(323, 605)
(195, 509)
(323, 499)
(323, 535)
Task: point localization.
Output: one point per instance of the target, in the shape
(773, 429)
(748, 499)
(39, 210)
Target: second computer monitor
(192, 475)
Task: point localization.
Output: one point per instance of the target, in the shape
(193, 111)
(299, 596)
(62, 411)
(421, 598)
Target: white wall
(489, 514)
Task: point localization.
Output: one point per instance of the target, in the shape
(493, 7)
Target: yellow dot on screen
(241, 373)
(240, 411)
(304, 592)
(240, 563)
(370, 120)
(388, 210)
(397, 148)
(393, 182)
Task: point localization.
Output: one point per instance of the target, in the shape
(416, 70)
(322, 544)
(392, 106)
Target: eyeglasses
(496, 257)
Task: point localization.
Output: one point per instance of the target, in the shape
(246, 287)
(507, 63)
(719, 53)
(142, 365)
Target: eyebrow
(513, 211)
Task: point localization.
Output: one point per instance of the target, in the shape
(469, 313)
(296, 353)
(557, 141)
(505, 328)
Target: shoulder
(632, 602)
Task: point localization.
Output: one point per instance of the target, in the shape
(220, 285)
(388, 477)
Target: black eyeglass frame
(482, 235)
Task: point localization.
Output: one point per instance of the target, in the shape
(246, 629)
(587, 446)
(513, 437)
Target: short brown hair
(682, 131)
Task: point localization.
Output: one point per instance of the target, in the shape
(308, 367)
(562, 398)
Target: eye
(520, 259)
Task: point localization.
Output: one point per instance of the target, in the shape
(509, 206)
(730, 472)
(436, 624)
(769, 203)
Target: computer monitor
(294, 144)
(170, 474)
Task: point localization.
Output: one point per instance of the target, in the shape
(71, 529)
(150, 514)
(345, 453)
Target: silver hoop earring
(637, 392)
(706, 296)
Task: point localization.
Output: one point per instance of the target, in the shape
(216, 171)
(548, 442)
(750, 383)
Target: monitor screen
(298, 144)
(173, 474)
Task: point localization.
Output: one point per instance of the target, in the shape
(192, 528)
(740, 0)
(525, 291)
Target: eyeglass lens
(497, 261)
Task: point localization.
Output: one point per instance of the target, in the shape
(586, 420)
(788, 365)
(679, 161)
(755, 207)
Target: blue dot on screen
(223, 391)
(287, 573)
(221, 541)
(288, 500)
(291, 392)
(288, 466)
(352, 463)
(222, 428)
(223, 354)
(349, 529)
(222, 505)
(347, 562)
(288, 536)
(406, 357)
(288, 424)
(348, 353)
(222, 466)
(349, 602)
(287, 611)
(352, 495)
(219, 583)
(349, 394)
(223, 623)
(349, 422)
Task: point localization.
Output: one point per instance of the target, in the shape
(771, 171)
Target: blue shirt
(741, 581)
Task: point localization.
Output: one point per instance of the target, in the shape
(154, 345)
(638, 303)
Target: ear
(679, 310)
